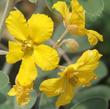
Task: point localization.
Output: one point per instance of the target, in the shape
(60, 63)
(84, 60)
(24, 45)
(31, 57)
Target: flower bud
(71, 44)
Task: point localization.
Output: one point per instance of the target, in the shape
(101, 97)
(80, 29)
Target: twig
(4, 14)
(6, 68)
(65, 56)
(6, 10)
(2, 52)
(60, 39)
(61, 52)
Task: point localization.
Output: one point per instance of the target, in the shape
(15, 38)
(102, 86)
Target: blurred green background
(97, 18)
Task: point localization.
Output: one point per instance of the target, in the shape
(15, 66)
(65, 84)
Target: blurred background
(97, 18)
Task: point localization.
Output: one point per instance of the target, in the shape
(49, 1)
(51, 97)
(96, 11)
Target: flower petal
(88, 61)
(62, 8)
(15, 52)
(66, 96)
(78, 14)
(16, 24)
(46, 57)
(40, 27)
(12, 92)
(22, 93)
(84, 68)
(94, 37)
(86, 77)
(28, 72)
(52, 87)
(83, 72)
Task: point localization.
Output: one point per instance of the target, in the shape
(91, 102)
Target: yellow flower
(75, 75)
(75, 20)
(27, 45)
(22, 93)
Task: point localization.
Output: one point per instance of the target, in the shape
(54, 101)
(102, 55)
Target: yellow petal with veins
(15, 52)
(62, 8)
(88, 61)
(46, 57)
(16, 25)
(58, 86)
(66, 96)
(94, 37)
(52, 87)
(28, 72)
(77, 15)
(86, 66)
(40, 27)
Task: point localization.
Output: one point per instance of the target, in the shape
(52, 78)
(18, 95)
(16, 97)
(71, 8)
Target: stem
(2, 52)
(6, 10)
(60, 39)
(61, 52)
(4, 14)
(7, 68)
(65, 56)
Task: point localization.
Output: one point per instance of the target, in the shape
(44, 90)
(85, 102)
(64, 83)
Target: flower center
(71, 75)
(28, 44)
(77, 80)
(73, 78)
(27, 47)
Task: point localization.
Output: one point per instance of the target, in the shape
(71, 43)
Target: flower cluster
(74, 20)
(28, 47)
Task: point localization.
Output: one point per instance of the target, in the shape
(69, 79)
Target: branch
(62, 52)
(8, 6)
(60, 39)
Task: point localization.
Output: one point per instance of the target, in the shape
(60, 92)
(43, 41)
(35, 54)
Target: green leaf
(3, 94)
(92, 103)
(83, 43)
(107, 6)
(9, 104)
(3, 98)
(6, 102)
(93, 7)
(101, 71)
(108, 81)
(97, 91)
(33, 1)
(46, 103)
(4, 80)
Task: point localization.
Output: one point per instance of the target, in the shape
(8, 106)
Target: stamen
(27, 45)
(59, 91)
